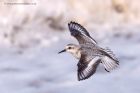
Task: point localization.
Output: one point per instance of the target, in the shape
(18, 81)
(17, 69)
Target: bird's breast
(77, 54)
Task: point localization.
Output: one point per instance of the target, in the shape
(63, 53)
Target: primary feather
(80, 33)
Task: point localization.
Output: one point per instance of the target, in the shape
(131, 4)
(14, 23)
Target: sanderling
(90, 55)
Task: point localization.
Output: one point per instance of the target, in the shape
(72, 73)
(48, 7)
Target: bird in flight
(88, 52)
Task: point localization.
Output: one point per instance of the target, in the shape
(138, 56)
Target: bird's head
(71, 48)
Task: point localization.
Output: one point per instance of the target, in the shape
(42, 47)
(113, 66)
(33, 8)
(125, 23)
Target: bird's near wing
(109, 60)
(87, 67)
(80, 33)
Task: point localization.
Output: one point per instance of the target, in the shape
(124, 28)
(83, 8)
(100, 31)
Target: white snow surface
(29, 46)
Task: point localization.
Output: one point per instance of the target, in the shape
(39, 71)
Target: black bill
(62, 51)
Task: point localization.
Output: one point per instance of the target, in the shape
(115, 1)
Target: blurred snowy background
(32, 32)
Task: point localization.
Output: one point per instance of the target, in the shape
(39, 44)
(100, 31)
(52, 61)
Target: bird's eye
(69, 47)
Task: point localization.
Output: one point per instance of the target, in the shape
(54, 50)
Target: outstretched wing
(80, 33)
(87, 67)
(109, 60)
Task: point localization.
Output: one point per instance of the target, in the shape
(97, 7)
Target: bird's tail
(109, 60)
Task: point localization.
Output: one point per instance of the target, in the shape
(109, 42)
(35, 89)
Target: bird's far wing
(87, 67)
(80, 33)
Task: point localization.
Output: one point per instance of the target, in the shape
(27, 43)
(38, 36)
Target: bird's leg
(106, 70)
